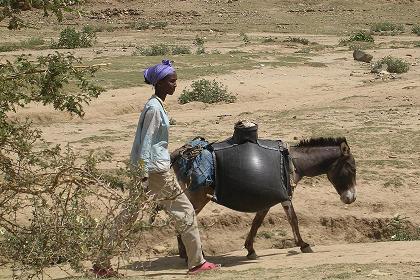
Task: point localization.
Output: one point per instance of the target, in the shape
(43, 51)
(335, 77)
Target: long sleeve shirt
(151, 140)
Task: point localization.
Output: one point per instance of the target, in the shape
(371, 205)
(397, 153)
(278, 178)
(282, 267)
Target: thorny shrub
(206, 91)
(12, 9)
(57, 207)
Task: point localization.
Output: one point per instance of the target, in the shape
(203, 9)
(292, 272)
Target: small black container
(245, 131)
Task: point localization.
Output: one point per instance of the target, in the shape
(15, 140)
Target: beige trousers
(176, 204)
(168, 193)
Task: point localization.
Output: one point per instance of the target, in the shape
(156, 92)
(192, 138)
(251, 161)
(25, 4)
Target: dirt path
(380, 260)
(390, 260)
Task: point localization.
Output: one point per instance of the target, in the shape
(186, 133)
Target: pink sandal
(204, 267)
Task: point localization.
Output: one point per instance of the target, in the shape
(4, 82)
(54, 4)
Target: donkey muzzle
(349, 196)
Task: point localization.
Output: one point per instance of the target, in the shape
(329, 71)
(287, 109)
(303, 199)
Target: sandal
(204, 267)
(104, 272)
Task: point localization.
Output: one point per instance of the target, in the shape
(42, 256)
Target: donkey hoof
(306, 249)
(252, 256)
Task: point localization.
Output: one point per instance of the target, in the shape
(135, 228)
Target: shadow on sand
(173, 265)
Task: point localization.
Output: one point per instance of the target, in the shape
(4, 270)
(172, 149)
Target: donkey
(312, 157)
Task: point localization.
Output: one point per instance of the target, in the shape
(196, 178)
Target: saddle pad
(250, 177)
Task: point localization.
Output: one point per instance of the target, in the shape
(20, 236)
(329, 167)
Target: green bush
(416, 29)
(394, 65)
(206, 91)
(361, 36)
(70, 38)
(199, 43)
(386, 27)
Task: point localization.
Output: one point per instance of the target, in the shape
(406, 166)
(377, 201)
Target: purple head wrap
(158, 72)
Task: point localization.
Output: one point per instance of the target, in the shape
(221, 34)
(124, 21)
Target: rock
(360, 55)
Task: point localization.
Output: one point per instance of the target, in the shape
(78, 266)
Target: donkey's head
(342, 174)
(329, 156)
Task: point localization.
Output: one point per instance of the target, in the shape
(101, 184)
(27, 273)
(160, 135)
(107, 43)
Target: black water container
(245, 131)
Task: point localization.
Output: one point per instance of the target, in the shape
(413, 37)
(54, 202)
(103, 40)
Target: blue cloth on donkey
(197, 163)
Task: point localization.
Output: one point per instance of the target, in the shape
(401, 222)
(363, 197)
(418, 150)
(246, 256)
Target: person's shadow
(174, 265)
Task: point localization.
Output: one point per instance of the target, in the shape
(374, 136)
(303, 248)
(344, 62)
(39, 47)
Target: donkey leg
(293, 221)
(249, 242)
(198, 199)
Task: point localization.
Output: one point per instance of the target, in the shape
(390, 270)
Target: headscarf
(158, 72)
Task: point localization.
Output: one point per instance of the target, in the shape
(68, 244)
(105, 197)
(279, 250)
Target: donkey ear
(345, 149)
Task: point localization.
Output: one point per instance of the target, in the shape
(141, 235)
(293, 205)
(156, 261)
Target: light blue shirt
(151, 140)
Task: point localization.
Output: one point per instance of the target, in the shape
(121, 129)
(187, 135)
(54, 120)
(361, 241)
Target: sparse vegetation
(143, 25)
(416, 30)
(265, 234)
(387, 27)
(394, 182)
(199, 43)
(360, 40)
(360, 36)
(161, 49)
(298, 40)
(244, 38)
(102, 27)
(70, 38)
(181, 50)
(153, 50)
(399, 230)
(31, 43)
(206, 91)
(393, 65)
(268, 40)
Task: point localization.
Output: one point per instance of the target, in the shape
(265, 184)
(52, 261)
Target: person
(150, 148)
